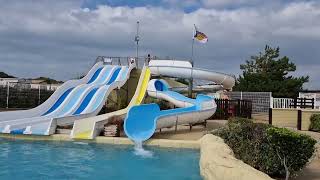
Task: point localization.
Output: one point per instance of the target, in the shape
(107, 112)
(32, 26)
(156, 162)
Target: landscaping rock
(217, 162)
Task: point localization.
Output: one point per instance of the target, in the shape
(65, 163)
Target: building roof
(310, 91)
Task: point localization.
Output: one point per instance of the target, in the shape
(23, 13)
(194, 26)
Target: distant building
(28, 83)
(49, 87)
(312, 94)
(42, 84)
(5, 81)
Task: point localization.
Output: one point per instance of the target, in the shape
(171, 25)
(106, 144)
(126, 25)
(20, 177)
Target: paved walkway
(184, 132)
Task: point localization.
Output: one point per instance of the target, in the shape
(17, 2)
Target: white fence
(282, 103)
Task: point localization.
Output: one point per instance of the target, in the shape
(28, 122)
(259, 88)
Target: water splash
(139, 151)
(82, 143)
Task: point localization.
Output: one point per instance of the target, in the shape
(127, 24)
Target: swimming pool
(71, 160)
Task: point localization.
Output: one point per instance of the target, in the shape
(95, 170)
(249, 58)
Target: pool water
(72, 160)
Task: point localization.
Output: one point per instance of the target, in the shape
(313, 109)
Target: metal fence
(21, 95)
(233, 108)
(124, 61)
(260, 100)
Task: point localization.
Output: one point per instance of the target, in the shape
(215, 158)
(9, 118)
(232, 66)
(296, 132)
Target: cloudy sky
(61, 39)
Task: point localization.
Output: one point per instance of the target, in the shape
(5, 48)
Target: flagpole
(192, 63)
(195, 28)
(192, 50)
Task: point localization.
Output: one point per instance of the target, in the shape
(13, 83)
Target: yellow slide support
(85, 128)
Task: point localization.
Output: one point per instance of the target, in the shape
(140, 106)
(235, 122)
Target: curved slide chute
(184, 69)
(142, 121)
(89, 128)
(81, 101)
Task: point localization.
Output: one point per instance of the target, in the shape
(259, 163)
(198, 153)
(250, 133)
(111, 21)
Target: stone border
(187, 144)
(217, 162)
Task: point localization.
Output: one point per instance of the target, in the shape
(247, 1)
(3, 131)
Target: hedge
(315, 123)
(264, 147)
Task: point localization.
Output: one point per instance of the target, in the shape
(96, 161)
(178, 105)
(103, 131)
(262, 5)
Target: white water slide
(184, 69)
(73, 100)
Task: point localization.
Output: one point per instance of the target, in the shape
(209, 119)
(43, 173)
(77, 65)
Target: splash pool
(71, 160)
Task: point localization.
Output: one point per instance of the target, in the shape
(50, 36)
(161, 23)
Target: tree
(5, 75)
(49, 80)
(272, 73)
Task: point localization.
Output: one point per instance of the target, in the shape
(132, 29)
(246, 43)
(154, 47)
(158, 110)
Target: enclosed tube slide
(142, 121)
(85, 100)
(184, 69)
(89, 128)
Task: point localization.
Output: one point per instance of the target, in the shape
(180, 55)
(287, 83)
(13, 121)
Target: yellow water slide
(88, 128)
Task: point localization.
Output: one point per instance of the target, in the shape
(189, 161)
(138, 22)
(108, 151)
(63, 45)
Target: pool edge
(167, 143)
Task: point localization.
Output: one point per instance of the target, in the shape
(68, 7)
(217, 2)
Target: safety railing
(286, 103)
(123, 61)
(282, 103)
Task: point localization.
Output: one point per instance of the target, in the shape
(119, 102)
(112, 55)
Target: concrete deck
(168, 137)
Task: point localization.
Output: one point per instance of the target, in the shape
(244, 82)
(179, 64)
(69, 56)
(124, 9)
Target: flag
(201, 37)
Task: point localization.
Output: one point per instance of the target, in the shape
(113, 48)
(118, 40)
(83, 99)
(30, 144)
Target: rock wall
(217, 162)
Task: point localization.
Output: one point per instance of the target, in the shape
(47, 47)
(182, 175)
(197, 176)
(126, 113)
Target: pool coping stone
(167, 143)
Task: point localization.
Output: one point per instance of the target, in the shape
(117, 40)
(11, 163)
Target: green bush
(292, 148)
(315, 123)
(264, 147)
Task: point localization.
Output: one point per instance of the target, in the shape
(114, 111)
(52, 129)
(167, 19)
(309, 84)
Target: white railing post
(283, 103)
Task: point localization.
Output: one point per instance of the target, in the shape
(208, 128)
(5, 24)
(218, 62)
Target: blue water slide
(99, 97)
(124, 74)
(79, 91)
(74, 99)
(58, 102)
(114, 76)
(141, 121)
(67, 92)
(88, 98)
(105, 75)
(86, 101)
(95, 75)
(83, 98)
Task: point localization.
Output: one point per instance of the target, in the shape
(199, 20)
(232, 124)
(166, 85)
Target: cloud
(62, 38)
(227, 3)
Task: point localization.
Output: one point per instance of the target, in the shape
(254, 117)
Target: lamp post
(137, 39)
